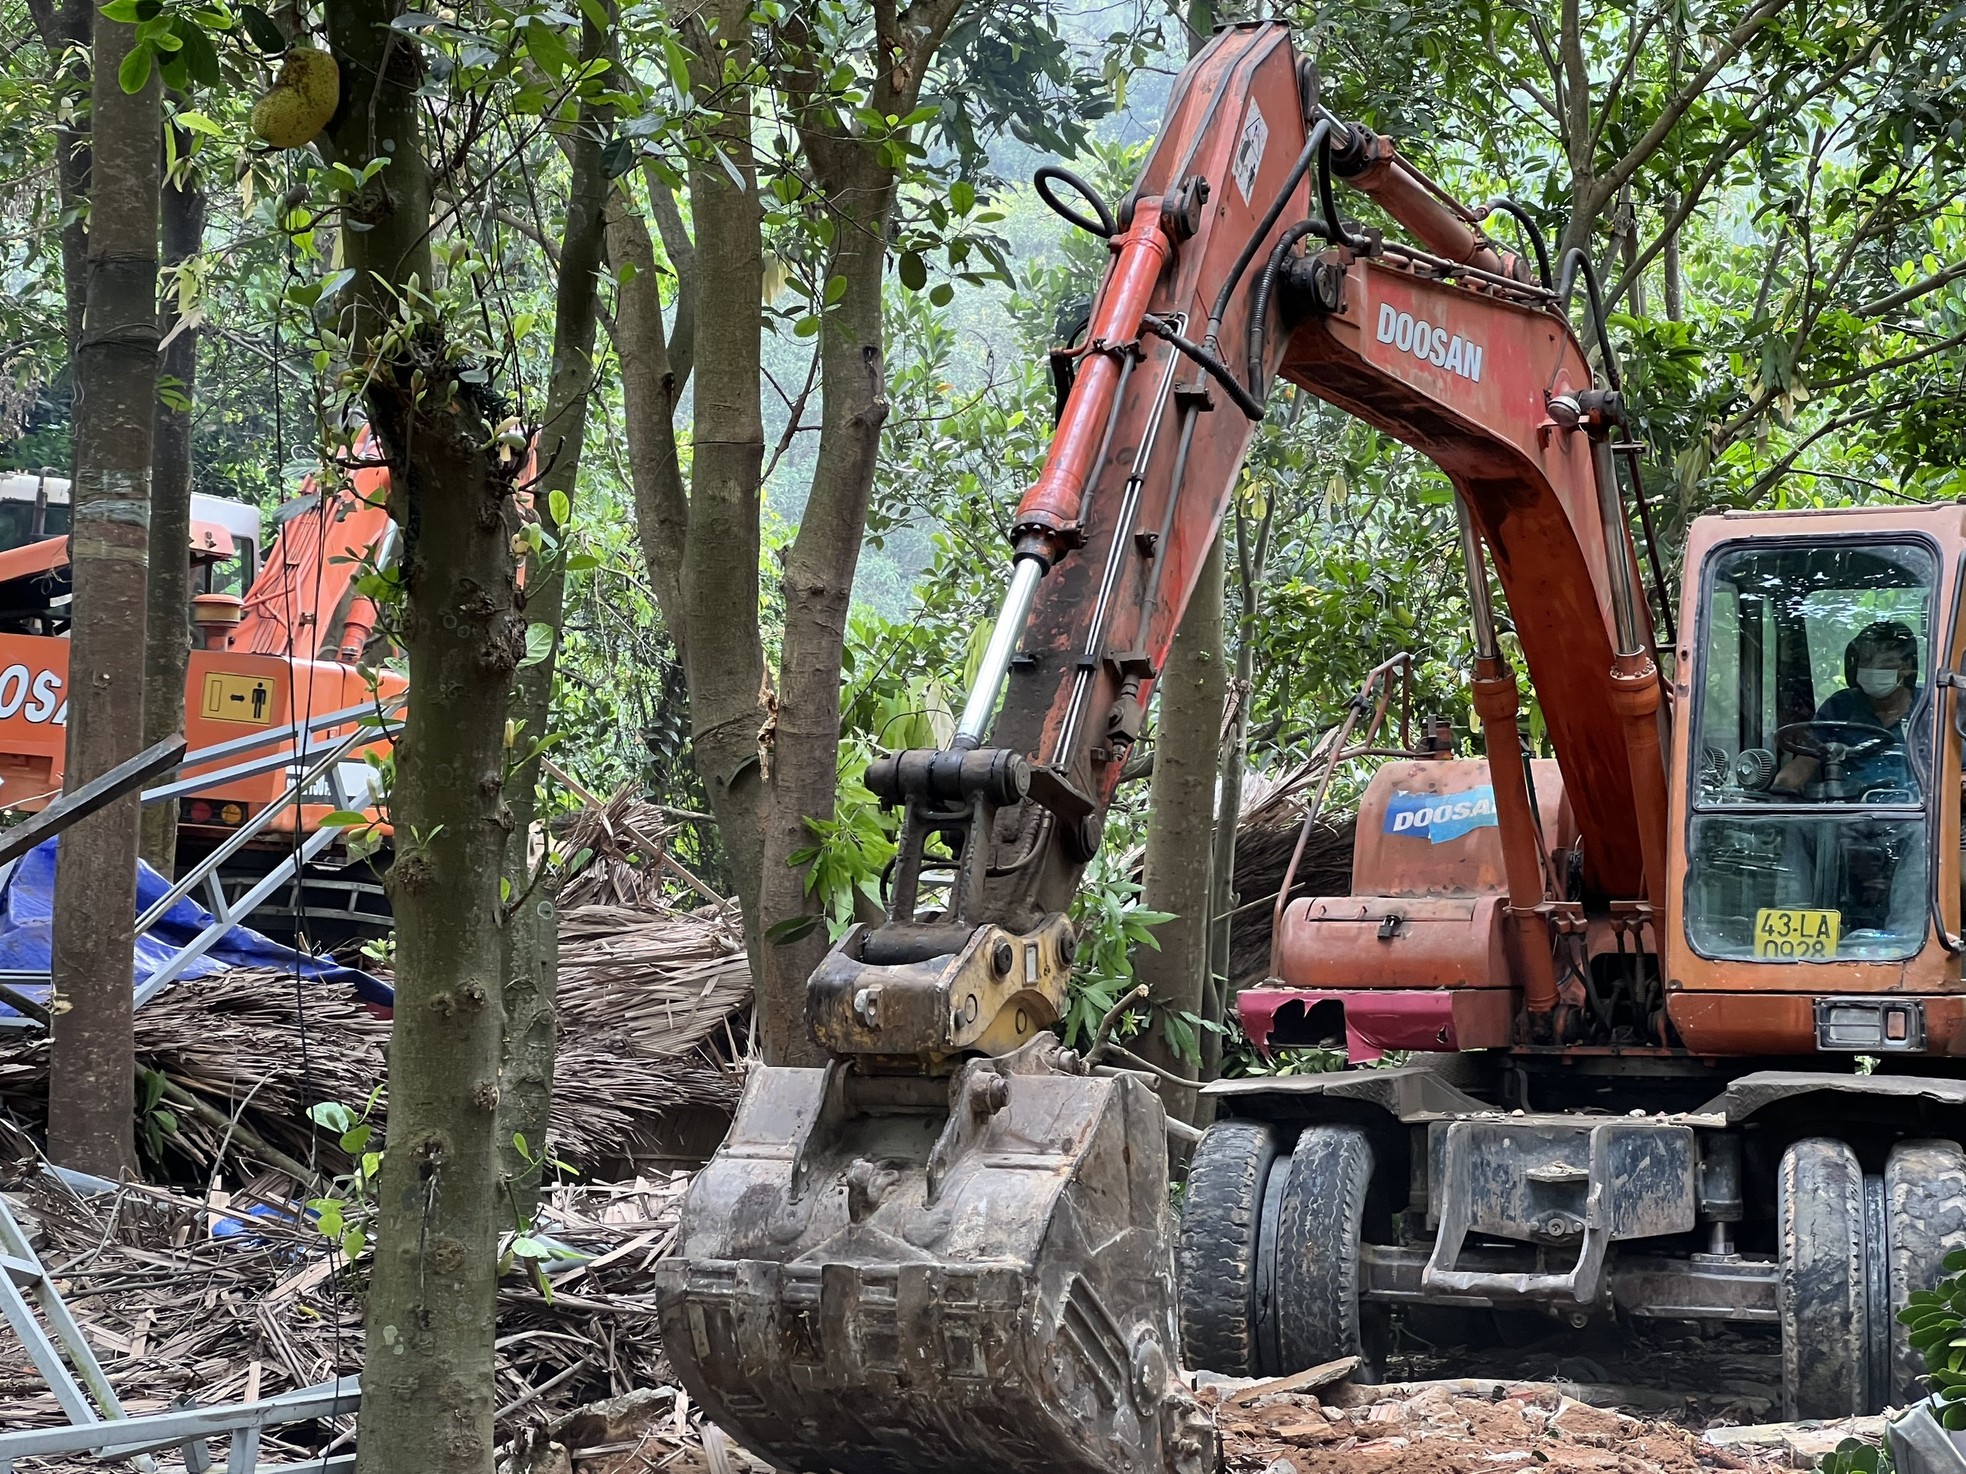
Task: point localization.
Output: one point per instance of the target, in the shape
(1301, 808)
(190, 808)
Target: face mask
(1879, 680)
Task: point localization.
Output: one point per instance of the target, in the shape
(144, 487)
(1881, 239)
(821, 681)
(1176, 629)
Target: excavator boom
(951, 1246)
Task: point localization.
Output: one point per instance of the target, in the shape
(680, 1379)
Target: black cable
(1316, 147)
(1514, 211)
(1259, 301)
(1577, 263)
(1209, 364)
(1104, 227)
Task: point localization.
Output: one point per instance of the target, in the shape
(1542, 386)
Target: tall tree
(167, 643)
(428, 1376)
(1177, 866)
(94, 1062)
(767, 748)
(67, 29)
(525, 1094)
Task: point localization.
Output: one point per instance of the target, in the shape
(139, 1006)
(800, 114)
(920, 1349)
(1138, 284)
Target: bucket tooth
(908, 1274)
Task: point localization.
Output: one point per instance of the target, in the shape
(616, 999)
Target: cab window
(1812, 756)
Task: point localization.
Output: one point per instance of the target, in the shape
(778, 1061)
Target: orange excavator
(275, 683)
(1667, 1025)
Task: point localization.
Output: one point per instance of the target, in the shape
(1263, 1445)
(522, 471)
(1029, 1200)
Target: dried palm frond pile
(1272, 817)
(623, 851)
(651, 1006)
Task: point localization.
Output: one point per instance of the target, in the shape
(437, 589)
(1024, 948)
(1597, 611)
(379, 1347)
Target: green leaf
(912, 270)
(805, 327)
(546, 46)
(962, 196)
(617, 158)
(199, 123)
(582, 562)
(559, 506)
(943, 294)
(539, 644)
(344, 819)
(268, 37)
(123, 12)
(354, 1141)
(200, 56)
(134, 74)
(791, 929)
(835, 289)
(353, 1241)
(332, 1115)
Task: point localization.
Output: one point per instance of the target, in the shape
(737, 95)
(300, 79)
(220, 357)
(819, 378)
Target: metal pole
(1477, 574)
(1632, 640)
(996, 655)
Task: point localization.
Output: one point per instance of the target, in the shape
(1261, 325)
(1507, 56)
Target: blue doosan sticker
(1441, 816)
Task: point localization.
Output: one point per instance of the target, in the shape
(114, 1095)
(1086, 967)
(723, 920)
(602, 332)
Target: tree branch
(1925, 286)
(1669, 116)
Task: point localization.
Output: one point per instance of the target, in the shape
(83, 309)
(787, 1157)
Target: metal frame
(327, 752)
(97, 1423)
(188, 1429)
(228, 914)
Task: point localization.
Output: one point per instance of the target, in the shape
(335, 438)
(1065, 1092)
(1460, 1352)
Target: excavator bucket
(900, 1274)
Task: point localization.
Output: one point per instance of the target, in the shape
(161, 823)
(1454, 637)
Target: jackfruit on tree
(301, 100)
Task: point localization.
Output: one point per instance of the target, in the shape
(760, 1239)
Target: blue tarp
(27, 920)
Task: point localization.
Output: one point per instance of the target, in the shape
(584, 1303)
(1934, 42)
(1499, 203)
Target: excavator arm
(949, 1246)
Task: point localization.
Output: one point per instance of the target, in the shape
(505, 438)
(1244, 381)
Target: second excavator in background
(1679, 1009)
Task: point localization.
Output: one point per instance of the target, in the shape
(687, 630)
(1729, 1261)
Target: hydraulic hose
(1515, 212)
(1209, 364)
(1316, 146)
(1259, 301)
(1576, 263)
(1104, 227)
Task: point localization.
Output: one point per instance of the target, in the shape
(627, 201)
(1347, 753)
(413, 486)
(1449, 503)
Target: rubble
(1452, 1427)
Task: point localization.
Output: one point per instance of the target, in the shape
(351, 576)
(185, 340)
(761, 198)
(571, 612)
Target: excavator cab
(1816, 811)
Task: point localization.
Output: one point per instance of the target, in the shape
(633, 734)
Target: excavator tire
(1823, 1301)
(1319, 1229)
(1925, 1216)
(1215, 1253)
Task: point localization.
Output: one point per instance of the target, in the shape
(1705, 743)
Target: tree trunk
(525, 1090)
(1187, 750)
(94, 1062)
(1675, 283)
(66, 24)
(818, 586)
(167, 628)
(723, 649)
(1220, 992)
(429, 1390)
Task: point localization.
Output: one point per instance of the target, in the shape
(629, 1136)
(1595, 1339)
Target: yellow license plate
(1787, 935)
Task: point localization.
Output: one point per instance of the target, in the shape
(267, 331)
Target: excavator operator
(1880, 668)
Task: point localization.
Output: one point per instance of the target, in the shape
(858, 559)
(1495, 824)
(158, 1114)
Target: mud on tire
(1925, 1217)
(1319, 1230)
(1216, 1250)
(1823, 1300)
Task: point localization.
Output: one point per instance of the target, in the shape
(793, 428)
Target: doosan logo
(1441, 816)
(34, 695)
(1430, 343)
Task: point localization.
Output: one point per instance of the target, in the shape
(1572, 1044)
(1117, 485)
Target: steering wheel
(1809, 739)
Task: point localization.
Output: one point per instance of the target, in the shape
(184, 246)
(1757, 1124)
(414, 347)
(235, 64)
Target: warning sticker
(236, 698)
(1249, 152)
